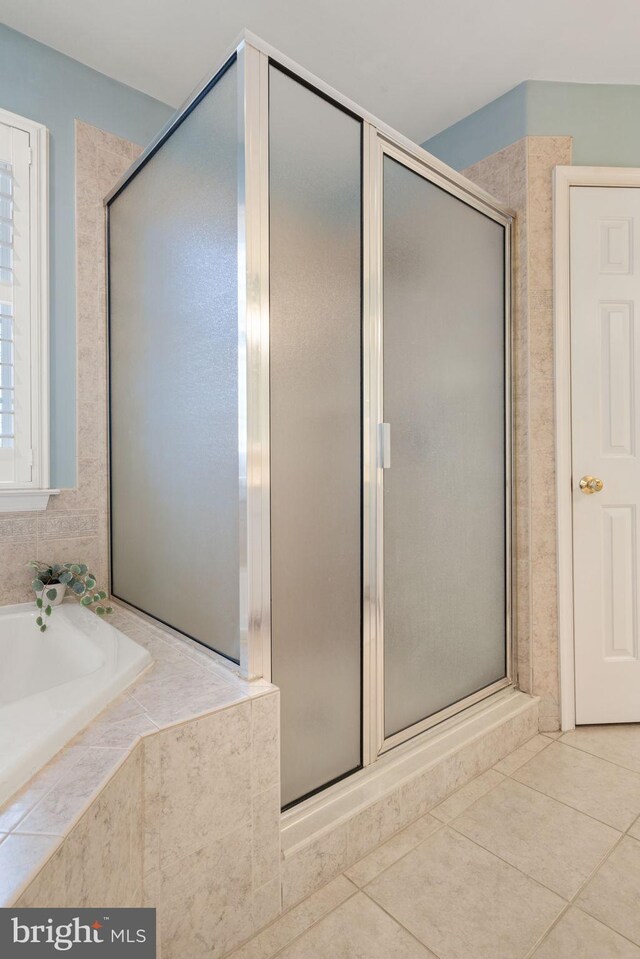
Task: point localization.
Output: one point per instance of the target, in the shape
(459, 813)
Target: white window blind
(7, 372)
(23, 321)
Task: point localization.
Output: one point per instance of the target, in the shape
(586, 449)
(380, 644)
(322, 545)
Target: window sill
(25, 500)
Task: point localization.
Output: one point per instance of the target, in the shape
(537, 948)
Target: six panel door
(605, 292)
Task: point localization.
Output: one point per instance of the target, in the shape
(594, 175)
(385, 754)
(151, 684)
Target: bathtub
(53, 683)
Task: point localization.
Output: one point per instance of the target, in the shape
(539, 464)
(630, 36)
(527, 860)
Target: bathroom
(307, 646)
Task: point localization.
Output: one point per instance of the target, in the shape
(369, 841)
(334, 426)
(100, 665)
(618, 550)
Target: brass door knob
(591, 484)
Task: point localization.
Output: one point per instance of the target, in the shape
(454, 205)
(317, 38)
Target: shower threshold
(421, 771)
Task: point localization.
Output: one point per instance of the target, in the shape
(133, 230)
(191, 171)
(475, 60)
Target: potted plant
(52, 581)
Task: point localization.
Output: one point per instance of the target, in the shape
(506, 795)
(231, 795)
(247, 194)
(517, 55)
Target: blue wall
(50, 88)
(601, 118)
(492, 127)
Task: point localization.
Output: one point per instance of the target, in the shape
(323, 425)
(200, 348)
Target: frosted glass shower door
(444, 554)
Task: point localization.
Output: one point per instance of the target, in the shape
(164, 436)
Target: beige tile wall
(212, 828)
(189, 824)
(74, 525)
(100, 861)
(521, 175)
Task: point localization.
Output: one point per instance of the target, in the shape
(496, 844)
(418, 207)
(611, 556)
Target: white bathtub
(53, 683)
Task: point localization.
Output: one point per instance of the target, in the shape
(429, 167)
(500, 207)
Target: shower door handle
(384, 445)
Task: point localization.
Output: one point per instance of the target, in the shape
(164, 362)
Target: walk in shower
(310, 411)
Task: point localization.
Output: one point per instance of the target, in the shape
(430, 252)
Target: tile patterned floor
(538, 858)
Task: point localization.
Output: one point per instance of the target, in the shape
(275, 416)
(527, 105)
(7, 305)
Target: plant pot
(60, 590)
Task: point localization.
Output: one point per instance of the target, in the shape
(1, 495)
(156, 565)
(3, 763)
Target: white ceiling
(420, 65)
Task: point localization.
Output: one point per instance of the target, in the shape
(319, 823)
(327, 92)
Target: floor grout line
(606, 925)
(286, 945)
(460, 788)
(526, 761)
(441, 826)
(510, 864)
(596, 756)
(536, 789)
(541, 792)
(573, 900)
(398, 922)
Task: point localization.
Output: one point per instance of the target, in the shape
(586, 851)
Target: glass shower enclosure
(309, 342)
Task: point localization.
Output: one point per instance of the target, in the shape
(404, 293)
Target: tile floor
(538, 857)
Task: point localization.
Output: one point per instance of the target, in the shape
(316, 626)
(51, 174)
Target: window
(24, 374)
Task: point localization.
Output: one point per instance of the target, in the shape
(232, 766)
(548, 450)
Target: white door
(605, 390)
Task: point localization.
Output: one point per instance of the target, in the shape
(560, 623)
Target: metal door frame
(381, 145)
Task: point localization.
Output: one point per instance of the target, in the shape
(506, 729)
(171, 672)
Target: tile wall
(521, 176)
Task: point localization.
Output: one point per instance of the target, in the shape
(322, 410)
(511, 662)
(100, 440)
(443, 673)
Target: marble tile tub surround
(521, 175)
(74, 526)
(100, 861)
(497, 870)
(199, 747)
(309, 864)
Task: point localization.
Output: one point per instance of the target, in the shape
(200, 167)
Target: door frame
(378, 144)
(564, 178)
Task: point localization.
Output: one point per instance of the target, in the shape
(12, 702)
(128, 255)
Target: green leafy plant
(78, 580)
